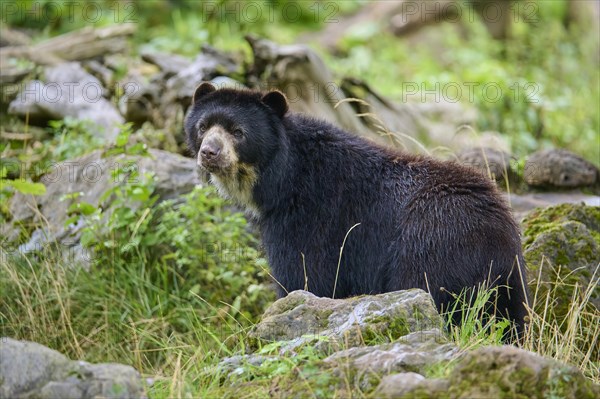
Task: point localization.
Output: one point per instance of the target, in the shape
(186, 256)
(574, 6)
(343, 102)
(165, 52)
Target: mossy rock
(564, 241)
(542, 219)
(509, 372)
(562, 251)
(333, 324)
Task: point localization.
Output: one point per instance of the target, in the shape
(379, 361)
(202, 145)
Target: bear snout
(216, 155)
(210, 151)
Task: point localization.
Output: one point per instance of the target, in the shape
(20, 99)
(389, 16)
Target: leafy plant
(22, 186)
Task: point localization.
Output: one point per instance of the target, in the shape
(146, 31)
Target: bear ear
(276, 101)
(202, 90)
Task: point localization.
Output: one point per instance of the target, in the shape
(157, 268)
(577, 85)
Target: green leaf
(85, 208)
(73, 195)
(87, 238)
(122, 139)
(71, 220)
(27, 187)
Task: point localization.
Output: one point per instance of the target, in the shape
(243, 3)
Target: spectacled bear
(404, 221)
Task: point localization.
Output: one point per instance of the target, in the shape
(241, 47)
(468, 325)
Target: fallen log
(79, 45)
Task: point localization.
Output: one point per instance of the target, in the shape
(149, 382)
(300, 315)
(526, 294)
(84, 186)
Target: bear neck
(273, 185)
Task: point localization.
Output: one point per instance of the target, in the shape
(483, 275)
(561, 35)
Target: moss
(564, 242)
(439, 369)
(311, 379)
(384, 328)
(562, 382)
(508, 372)
(543, 219)
(492, 380)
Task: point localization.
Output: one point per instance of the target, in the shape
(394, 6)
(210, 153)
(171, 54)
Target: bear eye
(202, 128)
(238, 133)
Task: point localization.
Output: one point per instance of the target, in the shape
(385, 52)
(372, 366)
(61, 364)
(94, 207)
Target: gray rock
(302, 317)
(100, 71)
(169, 64)
(509, 372)
(68, 91)
(208, 64)
(395, 369)
(522, 204)
(412, 352)
(562, 250)
(490, 162)
(91, 176)
(31, 370)
(140, 98)
(559, 168)
(223, 82)
(240, 364)
(410, 385)
(25, 366)
(494, 372)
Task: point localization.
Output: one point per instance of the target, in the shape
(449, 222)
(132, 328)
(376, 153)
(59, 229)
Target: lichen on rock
(509, 372)
(301, 317)
(562, 250)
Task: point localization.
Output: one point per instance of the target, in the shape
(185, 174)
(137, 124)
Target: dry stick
(523, 283)
(340, 259)
(305, 275)
(274, 279)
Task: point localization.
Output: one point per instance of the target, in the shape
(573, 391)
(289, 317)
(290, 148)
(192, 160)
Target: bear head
(234, 134)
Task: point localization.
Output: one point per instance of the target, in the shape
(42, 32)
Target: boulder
(67, 90)
(91, 176)
(403, 359)
(559, 168)
(302, 318)
(490, 162)
(406, 385)
(562, 251)
(207, 65)
(169, 64)
(509, 372)
(564, 241)
(411, 353)
(494, 372)
(523, 204)
(31, 370)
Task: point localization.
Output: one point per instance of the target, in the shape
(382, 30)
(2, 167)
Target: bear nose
(210, 151)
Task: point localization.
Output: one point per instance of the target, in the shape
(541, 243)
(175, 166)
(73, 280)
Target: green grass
(165, 306)
(548, 98)
(145, 315)
(173, 288)
(154, 298)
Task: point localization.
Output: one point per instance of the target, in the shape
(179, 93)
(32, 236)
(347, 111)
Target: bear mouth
(215, 166)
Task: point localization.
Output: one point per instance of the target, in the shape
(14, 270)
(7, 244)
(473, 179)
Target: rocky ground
(556, 199)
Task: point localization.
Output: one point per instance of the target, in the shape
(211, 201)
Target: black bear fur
(419, 222)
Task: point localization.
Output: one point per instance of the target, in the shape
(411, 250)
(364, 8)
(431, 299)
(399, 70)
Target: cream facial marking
(233, 179)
